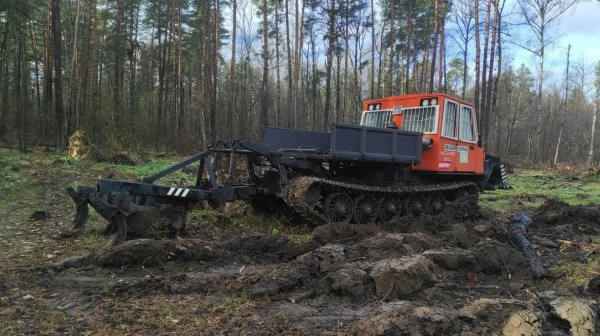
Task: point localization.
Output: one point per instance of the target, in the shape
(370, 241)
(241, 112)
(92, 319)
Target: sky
(579, 26)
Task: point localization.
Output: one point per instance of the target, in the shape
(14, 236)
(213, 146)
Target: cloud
(582, 20)
(579, 27)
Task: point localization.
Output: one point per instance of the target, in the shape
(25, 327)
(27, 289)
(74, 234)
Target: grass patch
(532, 187)
(220, 225)
(578, 274)
(301, 239)
(595, 239)
(11, 179)
(152, 167)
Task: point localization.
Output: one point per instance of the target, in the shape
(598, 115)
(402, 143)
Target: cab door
(469, 154)
(460, 152)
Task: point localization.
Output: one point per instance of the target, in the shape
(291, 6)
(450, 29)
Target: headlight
(434, 101)
(371, 107)
(425, 102)
(378, 106)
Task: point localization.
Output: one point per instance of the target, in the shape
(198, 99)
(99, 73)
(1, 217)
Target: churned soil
(457, 273)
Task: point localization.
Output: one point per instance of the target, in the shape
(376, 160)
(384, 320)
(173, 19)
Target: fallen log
(520, 224)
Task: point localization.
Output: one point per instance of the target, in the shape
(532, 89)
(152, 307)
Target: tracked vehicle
(410, 155)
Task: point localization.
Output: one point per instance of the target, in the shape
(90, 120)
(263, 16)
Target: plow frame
(116, 200)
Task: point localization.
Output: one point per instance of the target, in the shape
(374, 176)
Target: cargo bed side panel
(354, 142)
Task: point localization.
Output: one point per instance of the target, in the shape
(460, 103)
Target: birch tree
(541, 16)
(595, 115)
(564, 109)
(462, 17)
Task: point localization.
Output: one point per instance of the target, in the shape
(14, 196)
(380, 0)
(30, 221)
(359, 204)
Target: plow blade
(122, 215)
(116, 216)
(83, 212)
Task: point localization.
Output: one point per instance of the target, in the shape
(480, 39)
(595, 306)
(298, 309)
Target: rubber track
(305, 194)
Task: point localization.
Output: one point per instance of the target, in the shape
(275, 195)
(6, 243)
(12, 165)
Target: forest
(178, 74)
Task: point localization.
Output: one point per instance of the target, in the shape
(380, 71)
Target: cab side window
(449, 128)
(467, 124)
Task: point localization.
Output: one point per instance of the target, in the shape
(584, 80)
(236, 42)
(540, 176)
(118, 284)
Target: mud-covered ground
(458, 273)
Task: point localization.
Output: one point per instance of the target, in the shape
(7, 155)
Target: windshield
(379, 118)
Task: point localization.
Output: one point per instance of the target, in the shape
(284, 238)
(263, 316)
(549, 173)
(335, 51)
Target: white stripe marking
(170, 191)
(185, 192)
(179, 190)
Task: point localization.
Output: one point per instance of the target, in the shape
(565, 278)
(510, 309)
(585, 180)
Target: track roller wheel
(435, 204)
(337, 208)
(415, 205)
(461, 193)
(365, 209)
(390, 207)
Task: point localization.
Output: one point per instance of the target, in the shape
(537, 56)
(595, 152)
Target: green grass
(140, 172)
(595, 239)
(11, 178)
(532, 187)
(221, 225)
(301, 239)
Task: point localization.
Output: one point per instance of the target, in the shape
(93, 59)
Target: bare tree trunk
(564, 111)
(392, 35)
(19, 106)
(477, 59)
(4, 73)
(215, 67)
(297, 59)
(264, 117)
(338, 81)
(73, 78)
(181, 91)
(372, 79)
(161, 80)
(288, 47)
(422, 77)
(37, 75)
(408, 48)
(380, 67)
(48, 78)
(497, 80)
(118, 78)
(435, 43)
(277, 68)
(488, 94)
(346, 59)
(94, 65)
(313, 81)
(538, 140)
(485, 116)
(442, 66)
(232, 86)
(59, 114)
(329, 66)
(530, 135)
(591, 152)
